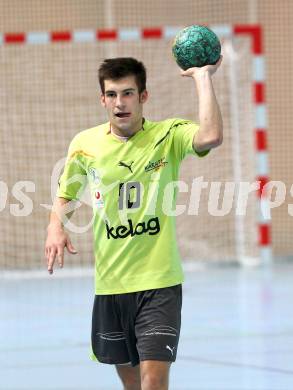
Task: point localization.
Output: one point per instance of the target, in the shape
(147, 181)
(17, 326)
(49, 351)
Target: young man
(128, 162)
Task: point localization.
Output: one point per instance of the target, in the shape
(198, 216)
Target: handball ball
(196, 46)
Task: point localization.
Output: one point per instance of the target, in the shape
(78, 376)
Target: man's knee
(152, 381)
(155, 376)
(130, 377)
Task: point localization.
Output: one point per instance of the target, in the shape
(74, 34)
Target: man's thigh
(158, 324)
(109, 343)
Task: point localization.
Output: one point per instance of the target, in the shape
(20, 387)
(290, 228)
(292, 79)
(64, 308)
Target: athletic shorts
(132, 327)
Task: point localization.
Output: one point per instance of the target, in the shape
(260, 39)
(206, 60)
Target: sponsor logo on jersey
(151, 227)
(123, 164)
(94, 175)
(98, 199)
(156, 165)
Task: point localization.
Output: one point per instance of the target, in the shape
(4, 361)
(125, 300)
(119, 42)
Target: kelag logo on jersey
(151, 227)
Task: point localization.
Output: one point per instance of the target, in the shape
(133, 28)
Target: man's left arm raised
(210, 133)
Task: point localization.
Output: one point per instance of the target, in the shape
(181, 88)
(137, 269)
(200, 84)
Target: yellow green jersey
(133, 191)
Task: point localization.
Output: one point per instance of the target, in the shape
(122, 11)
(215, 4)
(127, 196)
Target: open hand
(57, 240)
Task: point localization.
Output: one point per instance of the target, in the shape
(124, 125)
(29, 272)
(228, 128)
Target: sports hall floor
(237, 332)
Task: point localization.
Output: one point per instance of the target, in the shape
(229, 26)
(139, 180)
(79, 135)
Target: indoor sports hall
(234, 212)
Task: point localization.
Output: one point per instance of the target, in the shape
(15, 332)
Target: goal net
(49, 92)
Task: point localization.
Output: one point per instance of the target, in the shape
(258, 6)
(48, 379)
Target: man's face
(124, 104)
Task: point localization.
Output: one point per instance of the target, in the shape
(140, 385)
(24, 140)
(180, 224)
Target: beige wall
(276, 17)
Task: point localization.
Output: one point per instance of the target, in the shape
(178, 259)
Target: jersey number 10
(129, 195)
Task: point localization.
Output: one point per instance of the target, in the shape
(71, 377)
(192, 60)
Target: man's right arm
(57, 237)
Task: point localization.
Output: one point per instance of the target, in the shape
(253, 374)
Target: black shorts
(129, 328)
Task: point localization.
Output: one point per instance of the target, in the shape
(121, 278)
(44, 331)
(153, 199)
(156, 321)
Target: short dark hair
(117, 68)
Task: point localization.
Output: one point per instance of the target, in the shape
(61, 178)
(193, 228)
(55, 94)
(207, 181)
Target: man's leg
(157, 330)
(130, 376)
(154, 375)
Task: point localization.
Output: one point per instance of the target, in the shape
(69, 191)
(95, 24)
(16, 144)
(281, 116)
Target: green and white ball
(196, 46)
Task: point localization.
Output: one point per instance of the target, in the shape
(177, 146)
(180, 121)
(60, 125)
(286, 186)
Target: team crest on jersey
(98, 199)
(156, 165)
(93, 173)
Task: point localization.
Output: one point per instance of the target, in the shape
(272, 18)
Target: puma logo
(170, 349)
(123, 164)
